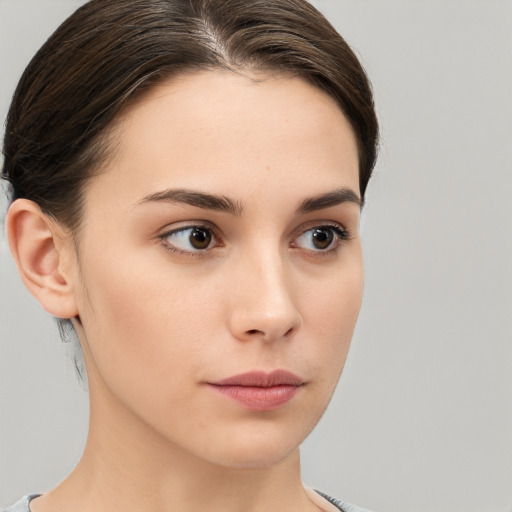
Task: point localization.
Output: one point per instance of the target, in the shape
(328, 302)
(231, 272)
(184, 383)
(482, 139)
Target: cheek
(337, 301)
(138, 321)
(146, 340)
(332, 312)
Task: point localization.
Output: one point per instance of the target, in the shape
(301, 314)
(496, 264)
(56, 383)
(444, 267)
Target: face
(219, 275)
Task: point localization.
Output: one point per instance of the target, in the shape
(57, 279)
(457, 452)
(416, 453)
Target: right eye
(189, 239)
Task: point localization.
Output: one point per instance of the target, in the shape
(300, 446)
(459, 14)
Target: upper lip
(262, 379)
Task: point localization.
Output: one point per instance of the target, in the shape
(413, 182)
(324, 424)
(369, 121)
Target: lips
(260, 391)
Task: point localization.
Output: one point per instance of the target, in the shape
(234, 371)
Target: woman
(187, 181)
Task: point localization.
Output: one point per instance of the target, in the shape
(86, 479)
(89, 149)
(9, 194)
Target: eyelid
(342, 235)
(168, 231)
(318, 224)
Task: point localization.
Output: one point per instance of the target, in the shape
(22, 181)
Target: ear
(43, 252)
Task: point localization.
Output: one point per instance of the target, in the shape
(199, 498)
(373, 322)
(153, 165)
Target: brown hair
(109, 52)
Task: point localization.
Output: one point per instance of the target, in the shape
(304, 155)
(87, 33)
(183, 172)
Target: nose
(263, 305)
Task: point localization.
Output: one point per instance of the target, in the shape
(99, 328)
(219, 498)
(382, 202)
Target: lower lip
(259, 398)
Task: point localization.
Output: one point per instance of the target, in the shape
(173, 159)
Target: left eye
(321, 239)
(189, 239)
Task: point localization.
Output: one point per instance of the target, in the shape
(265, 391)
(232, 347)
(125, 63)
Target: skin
(161, 319)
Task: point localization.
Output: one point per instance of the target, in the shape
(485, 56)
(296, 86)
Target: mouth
(260, 391)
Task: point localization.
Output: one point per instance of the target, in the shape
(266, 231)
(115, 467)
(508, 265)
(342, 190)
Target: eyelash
(340, 233)
(198, 253)
(341, 236)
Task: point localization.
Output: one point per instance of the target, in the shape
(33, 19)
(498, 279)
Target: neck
(128, 466)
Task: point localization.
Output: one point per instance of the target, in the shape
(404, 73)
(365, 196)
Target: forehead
(221, 130)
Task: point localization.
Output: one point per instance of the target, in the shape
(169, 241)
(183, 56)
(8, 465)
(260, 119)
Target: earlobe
(41, 253)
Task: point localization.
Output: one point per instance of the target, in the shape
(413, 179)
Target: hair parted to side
(108, 53)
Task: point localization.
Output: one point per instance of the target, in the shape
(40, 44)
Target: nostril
(257, 332)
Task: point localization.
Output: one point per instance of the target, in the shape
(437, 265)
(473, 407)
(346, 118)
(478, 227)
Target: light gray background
(422, 420)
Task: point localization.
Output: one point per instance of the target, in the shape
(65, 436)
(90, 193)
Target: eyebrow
(340, 196)
(193, 198)
(227, 205)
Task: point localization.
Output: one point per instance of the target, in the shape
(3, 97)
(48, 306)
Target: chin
(256, 449)
(253, 457)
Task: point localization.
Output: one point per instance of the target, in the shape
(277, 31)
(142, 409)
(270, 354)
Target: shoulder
(341, 505)
(21, 505)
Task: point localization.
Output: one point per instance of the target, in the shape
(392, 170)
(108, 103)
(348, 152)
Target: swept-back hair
(110, 52)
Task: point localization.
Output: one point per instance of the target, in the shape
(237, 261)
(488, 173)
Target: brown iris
(322, 238)
(200, 238)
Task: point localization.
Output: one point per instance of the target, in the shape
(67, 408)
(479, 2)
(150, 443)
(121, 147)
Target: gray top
(23, 504)
(344, 507)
